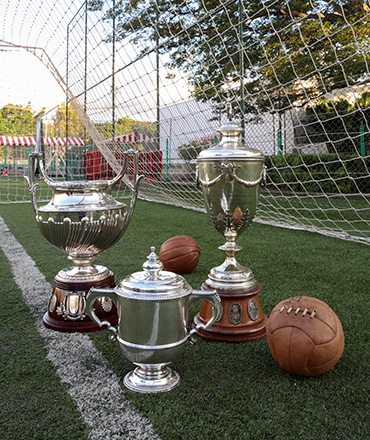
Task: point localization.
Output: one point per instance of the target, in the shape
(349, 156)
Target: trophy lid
(153, 283)
(231, 147)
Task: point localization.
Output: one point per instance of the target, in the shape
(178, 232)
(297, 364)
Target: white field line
(81, 367)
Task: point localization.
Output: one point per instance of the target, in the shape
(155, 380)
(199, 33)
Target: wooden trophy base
(67, 306)
(242, 319)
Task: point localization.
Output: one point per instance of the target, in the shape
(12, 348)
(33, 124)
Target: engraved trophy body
(82, 219)
(230, 175)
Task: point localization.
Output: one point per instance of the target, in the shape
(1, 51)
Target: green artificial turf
(33, 405)
(237, 391)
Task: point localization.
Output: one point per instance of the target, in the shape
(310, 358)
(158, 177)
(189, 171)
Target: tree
(16, 120)
(59, 126)
(293, 50)
(126, 126)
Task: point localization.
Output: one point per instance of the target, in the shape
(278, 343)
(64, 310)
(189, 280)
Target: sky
(25, 79)
(44, 24)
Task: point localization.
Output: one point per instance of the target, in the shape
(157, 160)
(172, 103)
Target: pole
(166, 159)
(67, 103)
(241, 69)
(279, 131)
(274, 131)
(85, 73)
(362, 139)
(157, 85)
(279, 143)
(113, 69)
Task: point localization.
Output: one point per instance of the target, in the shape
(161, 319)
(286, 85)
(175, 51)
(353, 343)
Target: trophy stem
(230, 264)
(82, 266)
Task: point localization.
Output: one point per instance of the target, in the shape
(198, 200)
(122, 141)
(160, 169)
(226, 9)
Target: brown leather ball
(179, 254)
(305, 336)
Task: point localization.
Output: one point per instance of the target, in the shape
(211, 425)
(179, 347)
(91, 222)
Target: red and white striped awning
(208, 137)
(29, 141)
(132, 138)
(18, 140)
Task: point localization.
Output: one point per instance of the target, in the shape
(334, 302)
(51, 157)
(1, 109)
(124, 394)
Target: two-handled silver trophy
(230, 175)
(82, 219)
(153, 309)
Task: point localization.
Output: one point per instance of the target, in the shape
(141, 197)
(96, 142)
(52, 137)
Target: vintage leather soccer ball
(180, 254)
(305, 336)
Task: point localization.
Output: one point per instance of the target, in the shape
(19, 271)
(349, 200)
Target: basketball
(305, 336)
(180, 254)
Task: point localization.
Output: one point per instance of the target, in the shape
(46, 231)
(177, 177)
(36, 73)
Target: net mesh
(156, 75)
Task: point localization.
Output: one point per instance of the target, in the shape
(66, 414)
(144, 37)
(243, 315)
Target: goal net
(156, 76)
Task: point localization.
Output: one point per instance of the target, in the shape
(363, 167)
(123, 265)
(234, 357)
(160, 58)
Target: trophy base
(242, 319)
(67, 306)
(151, 378)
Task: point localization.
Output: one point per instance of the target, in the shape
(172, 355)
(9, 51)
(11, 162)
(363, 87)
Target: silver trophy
(82, 219)
(153, 308)
(230, 175)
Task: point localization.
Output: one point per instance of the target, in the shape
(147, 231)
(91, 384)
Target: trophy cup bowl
(230, 175)
(82, 219)
(153, 309)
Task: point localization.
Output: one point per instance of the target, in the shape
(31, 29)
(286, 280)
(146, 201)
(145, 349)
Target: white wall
(190, 121)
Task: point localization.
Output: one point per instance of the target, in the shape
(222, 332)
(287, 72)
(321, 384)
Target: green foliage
(322, 42)
(324, 173)
(16, 120)
(64, 116)
(126, 126)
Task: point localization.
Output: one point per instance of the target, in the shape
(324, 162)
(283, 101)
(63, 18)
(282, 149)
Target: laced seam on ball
(298, 309)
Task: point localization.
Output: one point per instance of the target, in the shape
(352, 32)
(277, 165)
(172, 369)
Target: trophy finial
(153, 264)
(229, 111)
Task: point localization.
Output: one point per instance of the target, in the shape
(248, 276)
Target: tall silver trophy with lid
(230, 175)
(82, 219)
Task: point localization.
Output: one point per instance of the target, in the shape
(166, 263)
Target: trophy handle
(133, 187)
(93, 295)
(119, 176)
(197, 178)
(31, 177)
(264, 176)
(214, 299)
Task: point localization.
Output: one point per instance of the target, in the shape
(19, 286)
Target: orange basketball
(305, 336)
(179, 254)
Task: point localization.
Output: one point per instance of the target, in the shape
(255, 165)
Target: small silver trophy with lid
(153, 309)
(230, 175)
